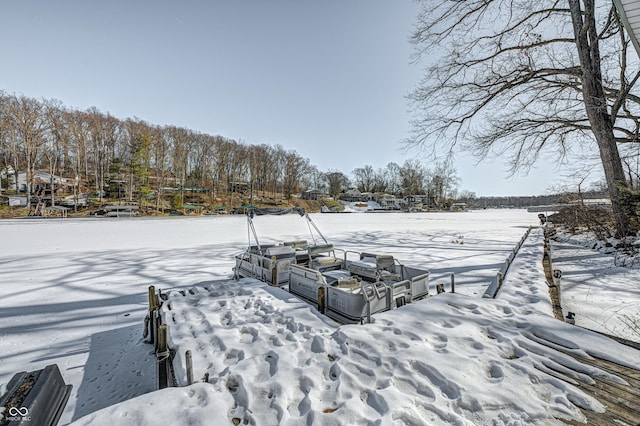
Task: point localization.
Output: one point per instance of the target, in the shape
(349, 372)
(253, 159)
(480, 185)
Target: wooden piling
(153, 302)
(149, 330)
(163, 358)
(274, 274)
(322, 295)
(189, 362)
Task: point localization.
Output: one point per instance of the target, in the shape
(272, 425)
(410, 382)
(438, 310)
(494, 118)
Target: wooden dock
(621, 401)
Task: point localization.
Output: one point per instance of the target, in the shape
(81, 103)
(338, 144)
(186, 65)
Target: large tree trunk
(596, 106)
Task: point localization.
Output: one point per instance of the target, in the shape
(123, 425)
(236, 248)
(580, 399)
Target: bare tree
(520, 78)
(337, 182)
(260, 163)
(6, 153)
(27, 118)
(102, 132)
(441, 183)
(380, 181)
(295, 167)
(54, 141)
(76, 151)
(412, 177)
(393, 178)
(160, 163)
(316, 179)
(180, 143)
(365, 178)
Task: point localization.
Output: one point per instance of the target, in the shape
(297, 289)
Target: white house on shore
(42, 177)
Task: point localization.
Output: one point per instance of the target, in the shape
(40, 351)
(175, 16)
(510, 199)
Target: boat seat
(296, 244)
(342, 279)
(382, 261)
(322, 257)
(260, 249)
(333, 276)
(325, 263)
(363, 269)
(374, 267)
(320, 249)
(280, 252)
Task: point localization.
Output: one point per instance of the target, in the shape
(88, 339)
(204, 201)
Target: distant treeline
(540, 200)
(96, 149)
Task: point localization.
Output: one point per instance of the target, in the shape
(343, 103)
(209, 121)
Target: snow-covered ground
(604, 297)
(75, 294)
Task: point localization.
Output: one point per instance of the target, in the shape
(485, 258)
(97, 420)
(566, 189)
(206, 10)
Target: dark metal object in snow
(35, 398)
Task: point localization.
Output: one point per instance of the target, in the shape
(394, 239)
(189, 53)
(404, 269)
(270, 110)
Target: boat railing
(372, 290)
(400, 294)
(308, 273)
(419, 280)
(403, 269)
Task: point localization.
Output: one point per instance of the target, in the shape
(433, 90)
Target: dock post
(189, 362)
(322, 294)
(153, 302)
(274, 274)
(557, 277)
(156, 321)
(162, 356)
(153, 306)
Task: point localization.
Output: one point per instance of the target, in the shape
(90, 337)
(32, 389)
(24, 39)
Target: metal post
(453, 283)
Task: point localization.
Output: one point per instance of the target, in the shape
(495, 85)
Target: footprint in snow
(375, 401)
(227, 319)
(412, 387)
(495, 373)
(441, 341)
(275, 341)
(233, 356)
(248, 335)
(448, 388)
(334, 372)
(272, 358)
(317, 345)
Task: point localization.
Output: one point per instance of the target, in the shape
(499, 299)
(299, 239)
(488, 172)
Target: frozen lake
(74, 293)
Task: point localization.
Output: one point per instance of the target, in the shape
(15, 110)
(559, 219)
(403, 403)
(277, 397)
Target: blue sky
(325, 78)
